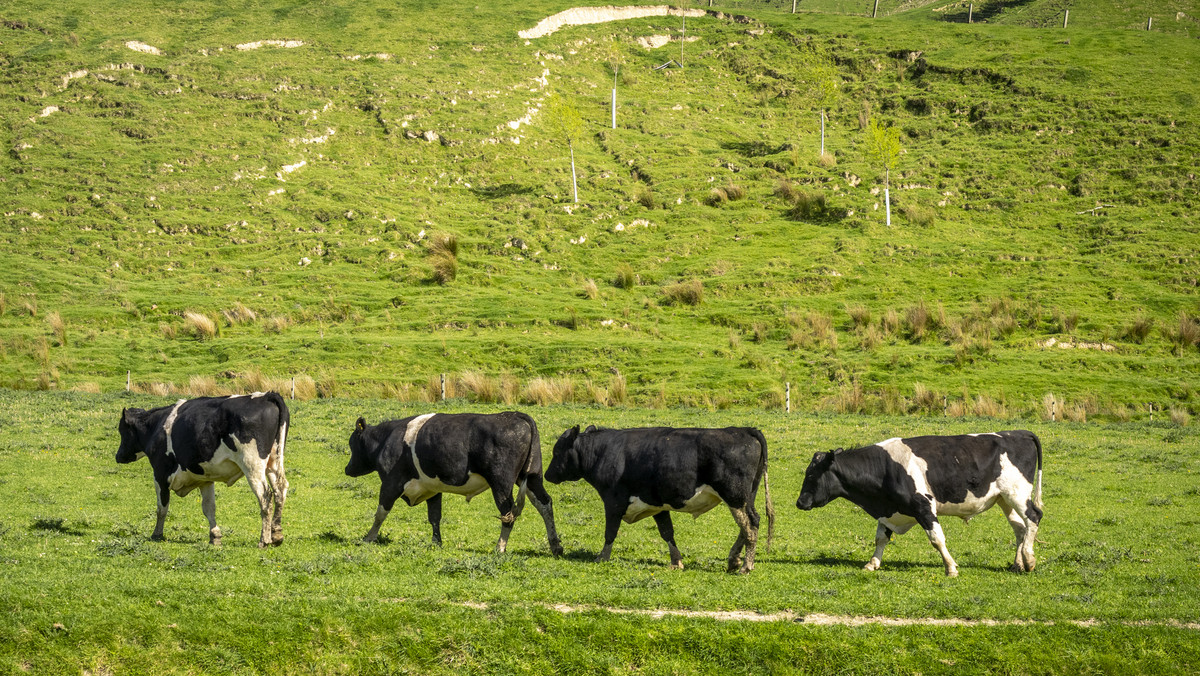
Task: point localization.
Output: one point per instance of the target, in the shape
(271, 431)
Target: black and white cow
(421, 457)
(192, 444)
(657, 470)
(901, 482)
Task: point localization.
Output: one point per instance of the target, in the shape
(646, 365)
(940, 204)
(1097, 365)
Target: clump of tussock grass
(716, 197)
(1180, 416)
(58, 327)
(848, 399)
(617, 394)
(168, 331)
(1067, 321)
(479, 387)
(786, 190)
(547, 391)
(645, 197)
(3, 303)
(813, 329)
(891, 402)
(276, 324)
(433, 388)
(734, 191)
(510, 390)
(625, 278)
(759, 332)
(809, 205)
(917, 215)
(925, 399)
(41, 352)
(29, 305)
(89, 387)
(969, 348)
(199, 326)
(442, 254)
(46, 381)
(827, 161)
(1139, 329)
(590, 290)
(690, 292)
(860, 316)
(889, 323)
(1184, 334)
(870, 338)
(305, 388)
(238, 314)
(201, 386)
(918, 321)
(596, 394)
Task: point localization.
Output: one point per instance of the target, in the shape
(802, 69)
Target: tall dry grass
(547, 391)
(58, 327)
(238, 314)
(481, 388)
(690, 292)
(200, 326)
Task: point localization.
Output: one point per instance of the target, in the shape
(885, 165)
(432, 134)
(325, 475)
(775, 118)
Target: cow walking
(654, 471)
(421, 457)
(195, 443)
(901, 482)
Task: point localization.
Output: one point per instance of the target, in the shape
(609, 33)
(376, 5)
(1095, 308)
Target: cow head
(133, 435)
(361, 462)
(564, 465)
(820, 482)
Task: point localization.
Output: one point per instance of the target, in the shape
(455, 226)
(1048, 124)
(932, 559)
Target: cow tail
(1037, 494)
(532, 465)
(766, 488)
(285, 422)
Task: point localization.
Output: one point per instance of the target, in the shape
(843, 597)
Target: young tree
(564, 123)
(824, 92)
(883, 150)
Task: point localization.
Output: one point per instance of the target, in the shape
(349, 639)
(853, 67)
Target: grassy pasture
(153, 185)
(84, 590)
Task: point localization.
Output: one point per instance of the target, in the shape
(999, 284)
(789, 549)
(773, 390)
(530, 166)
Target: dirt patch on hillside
(579, 16)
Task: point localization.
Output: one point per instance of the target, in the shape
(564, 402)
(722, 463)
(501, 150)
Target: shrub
(200, 326)
(625, 278)
(685, 293)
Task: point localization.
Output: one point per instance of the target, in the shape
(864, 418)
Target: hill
(212, 199)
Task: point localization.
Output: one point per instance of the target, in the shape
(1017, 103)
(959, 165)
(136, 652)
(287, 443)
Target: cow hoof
(215, 542)
(556, 549)
(276, 541)
(677, 565)
(600, 559)
(263, 545)
(157, 537)
(953, 572)
(870, 568)
(745, 570)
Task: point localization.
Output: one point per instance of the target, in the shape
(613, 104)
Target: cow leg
(387, 498)
(938, 539)
(747, 538)
(667, 530)
(260, 487)
(883, 535)
(1025, 526)
(208, 503)
(279, 486)
(163, 494)
(614, 509)
(545, 506)
(504, 503)
(434, 507)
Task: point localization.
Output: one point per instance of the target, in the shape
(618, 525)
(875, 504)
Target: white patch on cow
(898, 523)
(256, 395)
(984, 434)
(224, 466)
(424, 486)
(705, 499)
(169, 423)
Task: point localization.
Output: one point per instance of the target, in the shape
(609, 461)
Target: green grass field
(211, 218)
(357, 198)
(84, 590)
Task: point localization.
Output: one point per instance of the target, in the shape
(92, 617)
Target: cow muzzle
(804, 502)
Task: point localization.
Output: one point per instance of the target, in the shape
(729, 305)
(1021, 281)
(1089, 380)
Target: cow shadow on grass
(896, 564)
(330, 536)
(56, 525)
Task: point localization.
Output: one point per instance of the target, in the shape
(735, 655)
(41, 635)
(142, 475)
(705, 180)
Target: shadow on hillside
(984, 10)
(754, 148)
(503, 190)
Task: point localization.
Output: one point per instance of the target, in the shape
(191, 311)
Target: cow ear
(361, 424)
(590, 429)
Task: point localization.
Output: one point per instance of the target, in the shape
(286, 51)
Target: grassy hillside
(213, 216)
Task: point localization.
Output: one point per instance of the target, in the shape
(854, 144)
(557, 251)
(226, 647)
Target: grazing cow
(192, 444)
(654, 471)
(421, 457)
(901, 482)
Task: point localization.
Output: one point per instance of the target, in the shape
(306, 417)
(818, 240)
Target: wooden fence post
(127, 381)
(788, 400)
(1149, 23)
(1053, 410)
(793, 6)
(293, 387)
(1066, 15)
(443, 387)
(876, 10)
(971, 13)
(1151, 405)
